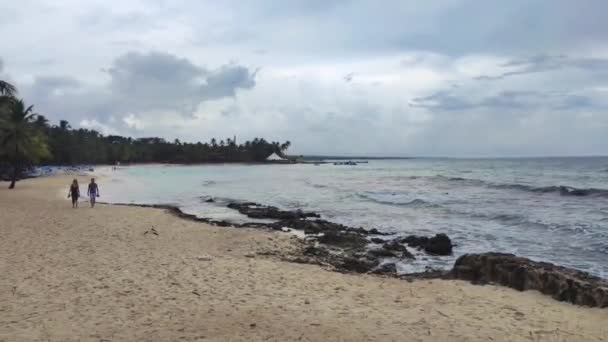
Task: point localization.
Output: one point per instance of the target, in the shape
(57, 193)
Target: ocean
(546, 209)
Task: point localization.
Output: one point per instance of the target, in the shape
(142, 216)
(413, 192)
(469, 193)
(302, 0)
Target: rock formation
(561, 283)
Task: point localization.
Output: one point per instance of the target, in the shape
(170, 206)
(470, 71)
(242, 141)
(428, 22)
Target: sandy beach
(116, 273)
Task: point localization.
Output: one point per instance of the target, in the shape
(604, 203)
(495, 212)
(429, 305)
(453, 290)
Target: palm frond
(7, 88)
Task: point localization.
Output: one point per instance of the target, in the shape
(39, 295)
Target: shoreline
(129, 273)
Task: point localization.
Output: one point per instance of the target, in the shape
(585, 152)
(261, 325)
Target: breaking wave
(381, 198)
(557, 189)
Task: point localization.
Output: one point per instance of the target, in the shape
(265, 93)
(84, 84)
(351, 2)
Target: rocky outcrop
(343, 239)
(254, 210)
(561, 283)
(309, 222)
(311, 226)
(351, 264)
(439, 244)
(342, 262)
(389, 268)
(381, 253)
(394, 245)
(318, 226)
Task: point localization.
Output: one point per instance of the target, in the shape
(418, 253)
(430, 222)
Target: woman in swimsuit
(74, 193)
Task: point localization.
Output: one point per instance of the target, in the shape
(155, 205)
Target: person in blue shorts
(93, 192)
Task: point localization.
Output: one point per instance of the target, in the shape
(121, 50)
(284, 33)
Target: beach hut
(275, 157)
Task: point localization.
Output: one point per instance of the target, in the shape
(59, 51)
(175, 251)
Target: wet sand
(116, 273)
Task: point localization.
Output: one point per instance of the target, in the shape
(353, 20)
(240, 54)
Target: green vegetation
(27, 138)
(83, 146)
(21, 143)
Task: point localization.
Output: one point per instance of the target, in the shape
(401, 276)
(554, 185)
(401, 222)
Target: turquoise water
(507, 205)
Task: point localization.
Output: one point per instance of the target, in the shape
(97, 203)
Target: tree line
(27, 139)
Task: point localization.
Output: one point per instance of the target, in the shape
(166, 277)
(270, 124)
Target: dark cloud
(51, 83)
(141, 84)
(225, 81)
(349, 77)
(575, 102)
(335, 29)
(504, 101)
(161, 81)
(48, 87)
(442, 100)
(546, 63)
(452, 28)
(512, 100)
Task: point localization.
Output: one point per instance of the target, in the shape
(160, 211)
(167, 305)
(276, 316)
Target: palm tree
(7, 89)
(42, 123)
(20, 140)
(64, 125)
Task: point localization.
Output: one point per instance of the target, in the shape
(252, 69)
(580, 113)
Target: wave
(318, 186)
(507, 219)
(417, 202)
(562, 190)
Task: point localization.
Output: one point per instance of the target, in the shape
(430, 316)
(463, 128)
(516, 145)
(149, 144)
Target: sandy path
(93, 275)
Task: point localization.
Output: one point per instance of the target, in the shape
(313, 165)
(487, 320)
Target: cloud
(225, 81)
(547, 63)
(164, 82)
(442, 100)
(349, 77)
(140, 84)
(506, 101)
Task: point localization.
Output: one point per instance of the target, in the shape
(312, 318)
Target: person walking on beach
(74, 193)
(93, 192)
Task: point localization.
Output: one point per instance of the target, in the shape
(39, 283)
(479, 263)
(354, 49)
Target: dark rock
(356, 265)
(315, 251)
(209, 200)
(377, 240)
(343, 239)
(561, 283)
(312, 226)
(439, 244)
(375, 231)
(427, 274)
(386, 268)
(381, 253)
(318, 226)
(359, 230)
(415, 241)
(259, 211)
(396, 246)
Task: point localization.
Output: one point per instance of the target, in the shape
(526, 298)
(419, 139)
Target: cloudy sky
(394, 77)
